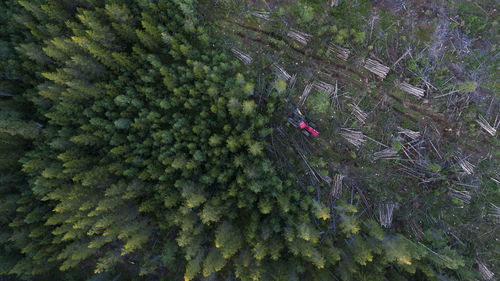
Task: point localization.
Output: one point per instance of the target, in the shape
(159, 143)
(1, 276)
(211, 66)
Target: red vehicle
(299, 121)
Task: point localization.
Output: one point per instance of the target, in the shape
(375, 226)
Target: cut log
(386, 212)
(486, 126)
(355, 138)
(375, 67)
(245, 58)
(301, 37)
(358, 113)
(262, 15)
(281, 72)
(410, 89)
(339, 52)
(305, 93)
(388, 153)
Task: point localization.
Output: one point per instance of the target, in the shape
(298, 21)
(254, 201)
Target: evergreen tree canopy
(133, 146)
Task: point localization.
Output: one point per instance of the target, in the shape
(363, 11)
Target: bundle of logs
(412, 90)
(358, 112)
(375, 67)
(243, 57)
(339, 52)
(281, 72)
(355, 138)
(301, 37)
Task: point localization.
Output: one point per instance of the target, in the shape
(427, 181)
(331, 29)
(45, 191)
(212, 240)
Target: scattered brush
(486, 126)
(412, 150)
(388, 153)
(375, 67)
(243, 57)
(465, 165)
(355, 138)
(386, 212)
(281, 72)
(494, 211)
(339, 52)
(358, 113)
(486, 274)
(305, 94)
(301, 37)
(409, 133)
(416, 170)
(334, 97)
(262, 15)
(311, 170)
(418, 165)
(463, 196)
(417, 230)
(410, 89)
(337, 185)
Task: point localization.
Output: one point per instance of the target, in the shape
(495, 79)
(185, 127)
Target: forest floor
(379, 143)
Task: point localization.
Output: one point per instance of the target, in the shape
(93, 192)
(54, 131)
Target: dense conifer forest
(139, 142)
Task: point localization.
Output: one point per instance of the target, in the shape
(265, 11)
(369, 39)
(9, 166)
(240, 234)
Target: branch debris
(410, 89)
(494, 211)
(245, 58)
(463, 196)
(355, 138)
(301, 37)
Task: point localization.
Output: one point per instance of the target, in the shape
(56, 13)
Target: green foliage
(280, 85)
(306, 14)
(318, 102)
(467, 87)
